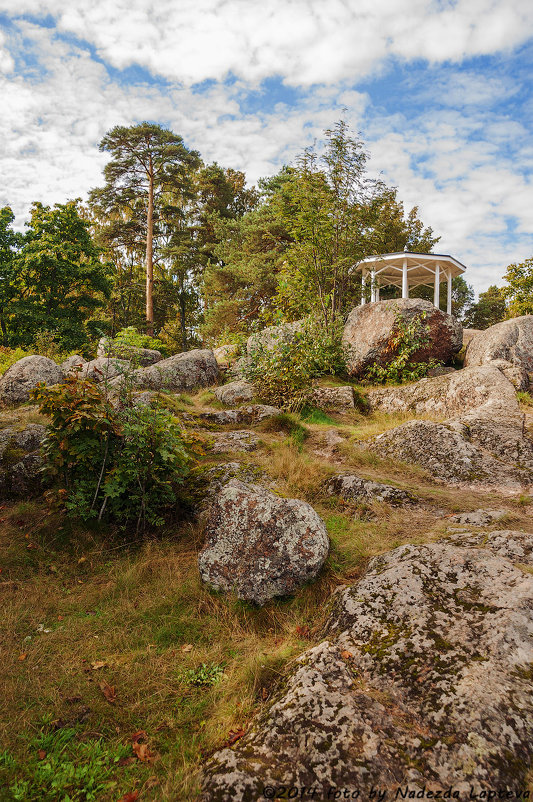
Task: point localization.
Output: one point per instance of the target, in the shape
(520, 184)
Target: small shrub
(525, 398)
(204, 676)
(8, 357)
(125, 464)
(407, 337)
(283, 375)
(130, 336)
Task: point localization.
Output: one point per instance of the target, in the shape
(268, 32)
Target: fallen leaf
(98, 664)
(126, 761)
(264, 694)
(234, 736)
(140, 735)
(346, 655)
(72, 700)
(23, 656)
(143, 752)
(31, 546)
(42, 754)
(187, 647)
(303, 632)
(109, 692)
(131, 796)
(82, 560)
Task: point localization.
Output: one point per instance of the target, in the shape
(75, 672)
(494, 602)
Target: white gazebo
(406, 270)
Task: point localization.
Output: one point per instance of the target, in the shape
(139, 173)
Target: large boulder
(447, 395)
(234, 393)
(350, 487)
(450, 453)
(185, 371)
(20, 459)
(508, 346)
(25, 375)
(337, 399)
(104, 368)
(273, 336)
(73, 365)
(369, 329)
(259, 545)
(140, 357)
(247, 415)
(422, 685)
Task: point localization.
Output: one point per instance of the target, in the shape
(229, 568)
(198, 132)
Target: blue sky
(440, 91)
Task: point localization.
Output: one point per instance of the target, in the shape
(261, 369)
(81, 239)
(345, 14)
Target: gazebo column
(363, 288)
(449, 300)
(372, 286)
(405, 281)
(436, 291)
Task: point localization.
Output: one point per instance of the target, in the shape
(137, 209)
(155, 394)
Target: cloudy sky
(440, 91)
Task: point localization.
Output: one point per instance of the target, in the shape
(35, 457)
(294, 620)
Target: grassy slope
(82, 608)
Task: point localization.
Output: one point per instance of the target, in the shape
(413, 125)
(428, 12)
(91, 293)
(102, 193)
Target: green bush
(407, 337)
(130, 336)
(123, 464)
(8, 357)
(283, 375)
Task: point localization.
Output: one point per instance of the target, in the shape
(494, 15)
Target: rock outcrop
(369, 329)
(423, 682)
(353, 488)
(336, 399)
(25, 375)
(225, 355)
(508, 346)
(72, 365)
(247, 415)
(259, 545)
(20, 460)
(104, 368)
(139, 357)
(483, 439)
(237, 440)
(234, 392)
(273, 336)
(197, 368)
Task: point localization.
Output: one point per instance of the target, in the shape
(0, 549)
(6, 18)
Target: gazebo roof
(420, 266)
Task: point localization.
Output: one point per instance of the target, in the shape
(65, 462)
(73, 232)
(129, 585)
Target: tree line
(188, 252)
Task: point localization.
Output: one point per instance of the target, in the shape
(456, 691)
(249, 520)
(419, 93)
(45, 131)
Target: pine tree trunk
(149, 255)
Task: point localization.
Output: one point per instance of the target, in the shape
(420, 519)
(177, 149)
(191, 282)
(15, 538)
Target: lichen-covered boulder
(254, 413)
(510, 543)
(20, 460)
(197, 368)
(140, 357)
(353, 488)
(225, 355)
(259, 545)
(73, 365)
(237, 440)
(339, 399)
(235, 392)
(448, 453)
(104, 368)
(448, 395)
(509, 346)
(273, 336)
(369, 329)
(424, 682)
(478, 517)
(25, 375)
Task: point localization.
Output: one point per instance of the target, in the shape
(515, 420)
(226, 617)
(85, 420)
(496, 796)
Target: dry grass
(141, 610)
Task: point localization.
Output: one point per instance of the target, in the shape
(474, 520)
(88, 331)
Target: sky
(439, 90)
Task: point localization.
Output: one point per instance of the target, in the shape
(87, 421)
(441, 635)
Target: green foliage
(282, 375)
(71, 770)
(8, 357)
(125, 463)
(489, 309)
(204, 676)
(525, 398)
(58, 281)
(519, 289)
(130, 336)
(407, 337)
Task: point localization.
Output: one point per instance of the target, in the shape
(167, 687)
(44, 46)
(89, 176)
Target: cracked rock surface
(424, 679)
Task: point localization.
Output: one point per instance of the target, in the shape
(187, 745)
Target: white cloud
(305, 41)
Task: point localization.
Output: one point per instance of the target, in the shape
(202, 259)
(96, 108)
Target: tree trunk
(149, 255)
(183, 323)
